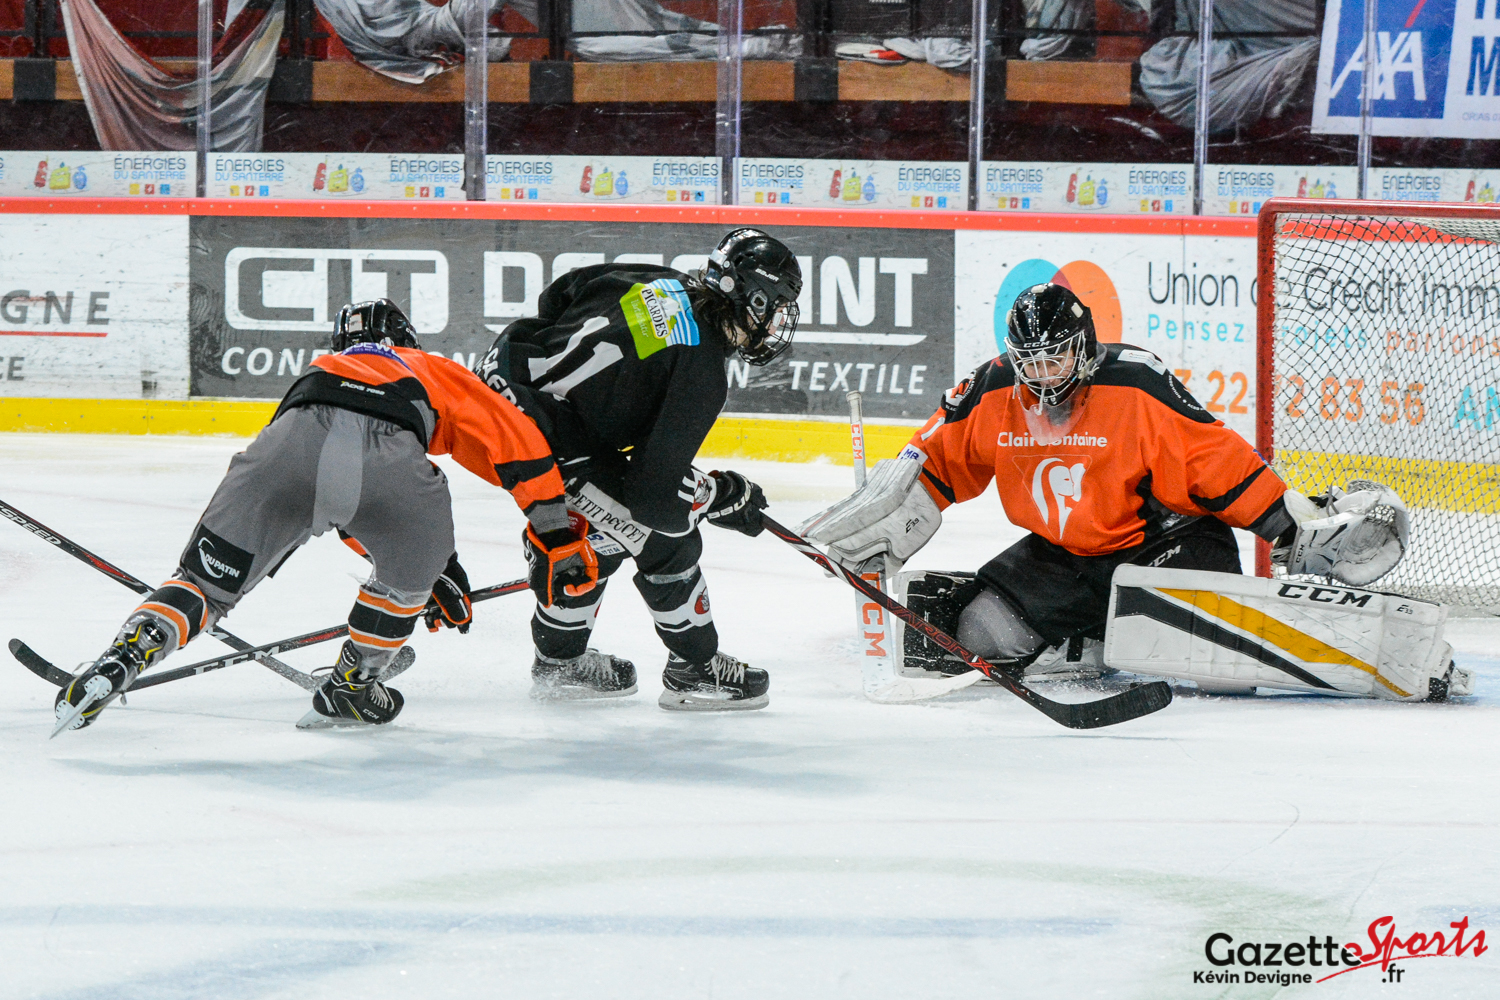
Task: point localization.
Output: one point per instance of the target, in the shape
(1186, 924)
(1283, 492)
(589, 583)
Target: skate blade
(315, 720)
(692, 701)
(1086, 674)
(70, 720)
(920, 675)
(575, 692)
(910, 689)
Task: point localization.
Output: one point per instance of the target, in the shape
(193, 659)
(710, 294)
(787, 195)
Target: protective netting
(1385, 347)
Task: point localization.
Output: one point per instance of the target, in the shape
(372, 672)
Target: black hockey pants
(1061, 595)
(667, 576)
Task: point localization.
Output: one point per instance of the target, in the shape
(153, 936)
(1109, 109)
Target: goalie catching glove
(891, 515)
(451, 595)
(1356, 536)
(561, 560)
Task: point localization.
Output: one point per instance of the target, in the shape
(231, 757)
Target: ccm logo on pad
(1324, 595)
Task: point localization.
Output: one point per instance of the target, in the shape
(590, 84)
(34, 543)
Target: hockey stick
(109, 569)
(56, 675)
(1122, 707)
(882, 679)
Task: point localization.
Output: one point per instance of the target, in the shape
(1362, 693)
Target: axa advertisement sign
(876, 304)
(1436, 69)
(1188, 299)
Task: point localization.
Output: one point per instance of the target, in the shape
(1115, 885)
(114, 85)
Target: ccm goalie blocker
(941, 598)
(1229, 632)
(891, 515)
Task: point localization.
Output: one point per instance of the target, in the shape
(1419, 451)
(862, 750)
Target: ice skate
(1075, 660)
(1456, 682)
(723, 684)
(348, 697)
(142, 641)
(592, 675)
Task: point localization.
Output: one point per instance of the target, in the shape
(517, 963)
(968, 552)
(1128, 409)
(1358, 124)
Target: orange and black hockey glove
(561, 561)
(451, 595)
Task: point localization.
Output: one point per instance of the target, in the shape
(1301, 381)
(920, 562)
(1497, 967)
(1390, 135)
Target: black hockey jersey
(616, 362)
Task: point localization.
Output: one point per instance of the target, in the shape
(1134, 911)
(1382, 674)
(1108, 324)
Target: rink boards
(160, 316)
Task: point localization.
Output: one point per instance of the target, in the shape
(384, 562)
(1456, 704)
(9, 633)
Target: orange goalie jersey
(1142, 454)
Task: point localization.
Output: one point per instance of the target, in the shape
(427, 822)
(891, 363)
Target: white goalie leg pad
(1229, 631)
(891, 515)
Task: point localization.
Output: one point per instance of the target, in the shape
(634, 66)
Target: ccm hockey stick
(404, 659)
(1122, 707)
(872, 624)
(117, 574)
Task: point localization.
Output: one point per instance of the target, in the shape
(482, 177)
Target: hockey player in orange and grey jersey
(1097, 450)
(348, 449)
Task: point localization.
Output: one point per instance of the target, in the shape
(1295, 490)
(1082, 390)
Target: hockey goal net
(1379, 341)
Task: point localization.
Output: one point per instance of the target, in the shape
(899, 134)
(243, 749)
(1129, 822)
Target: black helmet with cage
(1051, 343)
(762, 279)
(378, 322)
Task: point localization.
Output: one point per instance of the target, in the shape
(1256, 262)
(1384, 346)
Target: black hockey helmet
(377, 322)
(1051, 343)
(762, 279)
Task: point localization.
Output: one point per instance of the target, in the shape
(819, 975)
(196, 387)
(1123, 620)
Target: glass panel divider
(1367, 99)
(977, 62)
(1200, 118)
(476, 100)
(728, 112)
(205, 83)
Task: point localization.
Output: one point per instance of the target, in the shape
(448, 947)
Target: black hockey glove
(451, 594)
(737, 504)
(561, 561)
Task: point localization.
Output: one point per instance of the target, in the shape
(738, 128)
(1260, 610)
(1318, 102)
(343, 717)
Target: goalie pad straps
(890, 515)
(1238, 631)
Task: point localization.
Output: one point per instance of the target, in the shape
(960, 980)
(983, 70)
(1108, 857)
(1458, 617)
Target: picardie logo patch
(659, 315)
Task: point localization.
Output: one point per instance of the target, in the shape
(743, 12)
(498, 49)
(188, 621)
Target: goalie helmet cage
(1378, 358)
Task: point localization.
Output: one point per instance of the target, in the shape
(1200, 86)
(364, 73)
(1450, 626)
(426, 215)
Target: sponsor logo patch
(220, 563)
(659, 315)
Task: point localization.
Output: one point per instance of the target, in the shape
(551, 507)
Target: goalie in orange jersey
(1103, 456)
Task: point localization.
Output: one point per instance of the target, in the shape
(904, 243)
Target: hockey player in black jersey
(623, 369)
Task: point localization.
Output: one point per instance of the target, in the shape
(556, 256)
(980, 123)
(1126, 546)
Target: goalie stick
(1122, 707)
(882, 683)
(54, 674)
(109, 569)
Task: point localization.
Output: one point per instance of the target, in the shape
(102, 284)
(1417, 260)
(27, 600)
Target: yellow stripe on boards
(1464, 487)
(237, 417)
(1299, 644)
(801, 440)
(731, 437)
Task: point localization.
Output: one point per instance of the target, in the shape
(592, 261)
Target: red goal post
(1378, 358)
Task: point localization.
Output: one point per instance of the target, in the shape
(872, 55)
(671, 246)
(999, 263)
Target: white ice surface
(195, 844)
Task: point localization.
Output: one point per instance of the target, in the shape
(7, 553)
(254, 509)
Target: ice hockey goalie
(1103, 456)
